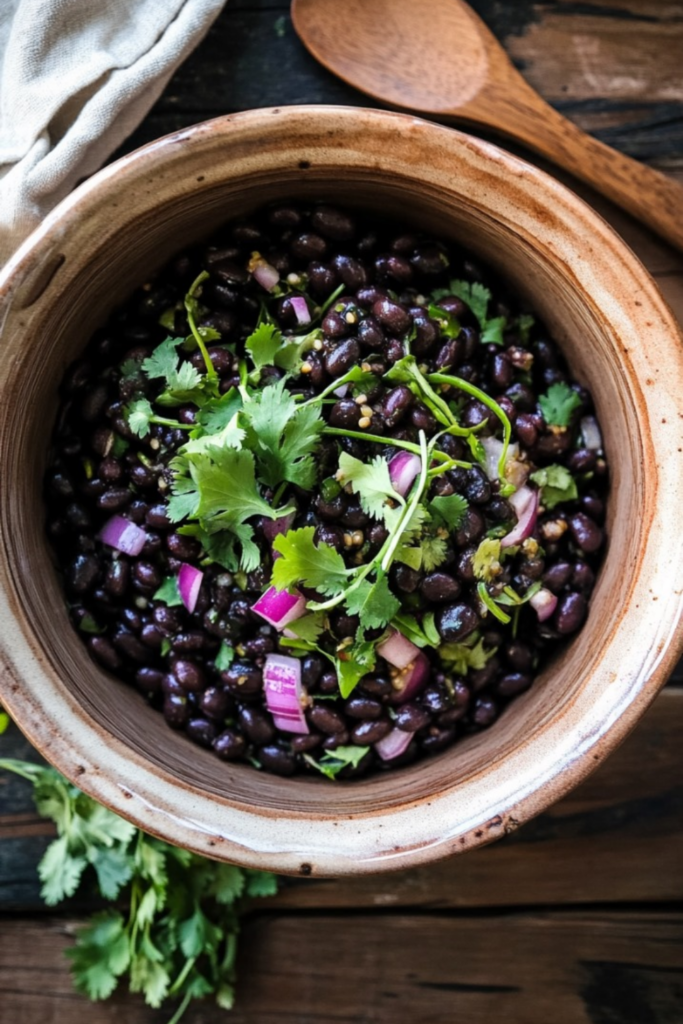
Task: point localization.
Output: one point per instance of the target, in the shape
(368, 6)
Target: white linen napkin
(76, 77)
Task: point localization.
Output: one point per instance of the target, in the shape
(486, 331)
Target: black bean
(435, 699)
(457, 621)
(152, 636)
(132, 648)
(351, 271)
(519, 656)
(342, 357)
(309, 246)
(230, 745)
(429, 260)
(326, 719)
(477, 486)
(177, 710)
(396, 404)
(586, 532)
(422, 419)
(322, 279)
(437, 739)
(439, 587)
(376, 686)
(284, 216)
(471, 528)
(481, 678)
(277, 760)
(345, 414)
(512, 684)
(411, 717)
(391, 315)
(570, 613)
(370, 334)
(102, 650)
(394, 268)
(114, 499)
(305, 743)
(371, 732)
(243, 680)
(334, 325)
(190, 676)
(363, 707)
(583, 577)
(192, 640)
(331, 510)
(484, 712)
(450, 354)
(149, 680)
(215, 703)
(333, 223)
(501, 371)
(82, 574)
(338, 739)
(146, 576)
(405, 578)
(257, 725)
(201, 731)
(465, 564)
(557, 576)
(394, 350)
(168, 619)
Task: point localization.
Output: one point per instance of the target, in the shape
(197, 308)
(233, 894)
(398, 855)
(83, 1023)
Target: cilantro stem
(489, 603)
(330, 299)
(475, 392)
(21, 768)
(181, 1009)
(187, 967)
(163, 422)
(410, 508)
(376, 439)
(190, 308)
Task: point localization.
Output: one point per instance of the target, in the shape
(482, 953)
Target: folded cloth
(76, 77)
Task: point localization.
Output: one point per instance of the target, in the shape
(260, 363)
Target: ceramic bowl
(620, 339)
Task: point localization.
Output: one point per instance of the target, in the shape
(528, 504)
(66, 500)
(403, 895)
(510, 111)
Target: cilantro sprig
(558, 404)
(177, 938)
(477, 297)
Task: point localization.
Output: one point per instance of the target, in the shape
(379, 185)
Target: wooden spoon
(439, 58)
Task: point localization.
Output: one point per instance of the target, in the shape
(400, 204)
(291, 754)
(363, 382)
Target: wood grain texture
(617, 838)
(570, 968)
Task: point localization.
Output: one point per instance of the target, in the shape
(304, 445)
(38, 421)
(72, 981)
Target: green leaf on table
(113, 869)
(101, 954)
(151, 978)
(260, 883)
(60, 871)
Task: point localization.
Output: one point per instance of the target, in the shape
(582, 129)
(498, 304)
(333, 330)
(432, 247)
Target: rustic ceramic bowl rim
(441, 824)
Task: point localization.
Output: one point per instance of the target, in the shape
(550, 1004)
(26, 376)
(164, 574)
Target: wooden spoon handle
(649, 196)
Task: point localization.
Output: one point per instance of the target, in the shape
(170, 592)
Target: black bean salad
(325, 492)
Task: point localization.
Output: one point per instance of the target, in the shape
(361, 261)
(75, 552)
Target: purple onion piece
(525, 503)
(123, 535)
(189, 583)
(279, 607)
(393, 744)
(285, 693)
(403, 469)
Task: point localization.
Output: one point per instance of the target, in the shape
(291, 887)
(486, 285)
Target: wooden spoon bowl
(619, 338)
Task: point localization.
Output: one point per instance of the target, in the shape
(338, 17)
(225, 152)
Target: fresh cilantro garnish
(486, 562)
(557, 485)
(558, 404)
(450, 509)
(450, 327)
(215, 414)
(523, 325)
(263, 344)
(373, 602)
(511, 599)
(434, 551)
(466, 656)
(140, 414)
(308, 627)
(371, 482)
(332, 761)
(490, 604)
(88, 625)
(424, 634)
(317, 566)
(168, 592)
(225, 657)
(477, 297)
(178, 936)
(218, 488)
(282, 435)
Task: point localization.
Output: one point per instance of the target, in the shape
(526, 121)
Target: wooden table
(578, 917)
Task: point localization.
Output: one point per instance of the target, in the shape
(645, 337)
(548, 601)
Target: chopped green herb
(374, 603)
(424, 634)
(332, 761)
(282, 435)
(486, 562)
(523, 325)
(450, 509)
(466, 656)
(557, 485)
(317, 566)
(371, 482)
(225, 657)
(168, 592)
(263, 345)
(477, 297)
(490, 604)
(558, 404)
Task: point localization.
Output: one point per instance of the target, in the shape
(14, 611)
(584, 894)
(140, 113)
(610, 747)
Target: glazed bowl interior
(127, 224)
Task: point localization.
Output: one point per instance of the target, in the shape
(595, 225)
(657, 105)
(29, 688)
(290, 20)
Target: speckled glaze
(620, 339)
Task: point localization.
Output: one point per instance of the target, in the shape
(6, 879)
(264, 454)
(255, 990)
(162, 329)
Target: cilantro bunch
(172, 920)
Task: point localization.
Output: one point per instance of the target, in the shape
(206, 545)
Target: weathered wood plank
(383, 968)
(616, 838)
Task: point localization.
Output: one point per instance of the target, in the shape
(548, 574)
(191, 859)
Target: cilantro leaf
(434, 551)
(282, 436)
(470, 654)
(308, 627)
(558, 404)
(477, 297)
(139, 415)
(151, 978)
(260, 883)
(332, 761)
(319, 567)
(168, 593)
(486, 561)
(449, 508)
(373, 602)
(292, 350)
(263, 344)
(523, 325)
(101, 954)
(163, 361)
(371, 482)
(231, 436)
(422, 635)
(557, 485)
(215, 414)
(60, 871)
(225, 657)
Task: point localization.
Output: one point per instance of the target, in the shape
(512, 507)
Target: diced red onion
(189, 582)
(279, 607)
(262, 271)
(123, 535)
(525, 503)
(403, 468)
(300, 308)
(393, 744)
(342, 391)
(411, 679)
(398, 650)
(272, 528)
(543, 603)
(516, 472)
(284, 692)
(590, 431)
